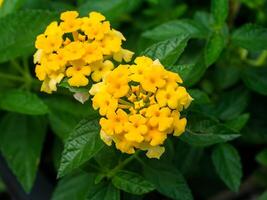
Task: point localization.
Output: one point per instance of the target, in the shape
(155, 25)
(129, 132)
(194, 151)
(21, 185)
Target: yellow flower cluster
(76, 48)
(140, 105)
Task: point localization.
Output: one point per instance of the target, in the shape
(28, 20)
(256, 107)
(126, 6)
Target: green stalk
(122, 165)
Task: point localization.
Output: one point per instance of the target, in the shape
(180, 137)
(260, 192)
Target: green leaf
(228, 166)
(175, 29)
(263, 196)
(199, 96)
(256, 79)
(205, 131)
(187, 158)
(2, 186)
(167, 51)
(262, 157)
(167, 180)
(74, 187)
(10, 6)
(108, 157)
(226, 74)
(112, 9)
(22, 102)
(219, 10)
(205, 19)
(232, 103)
(251, 37)
(103, 192)
(213, 48)
(30, 23)
(190, 73)
(21, 139)
(238, 123)
(132, 183)
(83, 144)
(65, 113)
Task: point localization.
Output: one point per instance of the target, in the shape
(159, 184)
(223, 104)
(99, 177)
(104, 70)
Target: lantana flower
(75, 48)
(140, 106)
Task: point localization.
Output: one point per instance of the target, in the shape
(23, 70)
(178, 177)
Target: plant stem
(11, 77)
(122, 165)
(16, 66)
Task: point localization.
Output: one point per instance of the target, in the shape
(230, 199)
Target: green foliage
(219, 10)
(176, 28)
(65, 113)
(167, 51)
(228, 166)
(251, 37)
(205, 131)
(112, 9)
(255, 79)
(132, 183)
(67, 190)
(103, 191)
(10, 6)
(167, 180)
(22, 102)
(200, 97)
(23, 155)
(263, 196)
(214, 48)
(82, 144)
(190, 73)
(238, 123)
(262, 157)
(14, 43)
(218, 47)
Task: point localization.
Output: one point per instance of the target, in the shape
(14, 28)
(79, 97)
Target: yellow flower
(48, 43)
(1, 2)
(184, 98)
(88, 40)
(117, 81)
(92, 52)
(168, 97)
(136, 128)
(123, 54)
(53, 29)
(96, 88)
(95, 16)
(178, 124)
(53, 62)
(155, 152)
(172, 79)
(159, 117)
(151, 110)
(50, 83)
(115, 122)
(106, 138)
(40, 72)
(101, 70)
(78, 75)
(74, 51)
(155, 137)
(97, 31)
(111, 43)
(153, 79)
(105, 102)
(124, 145)
(70, 21)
